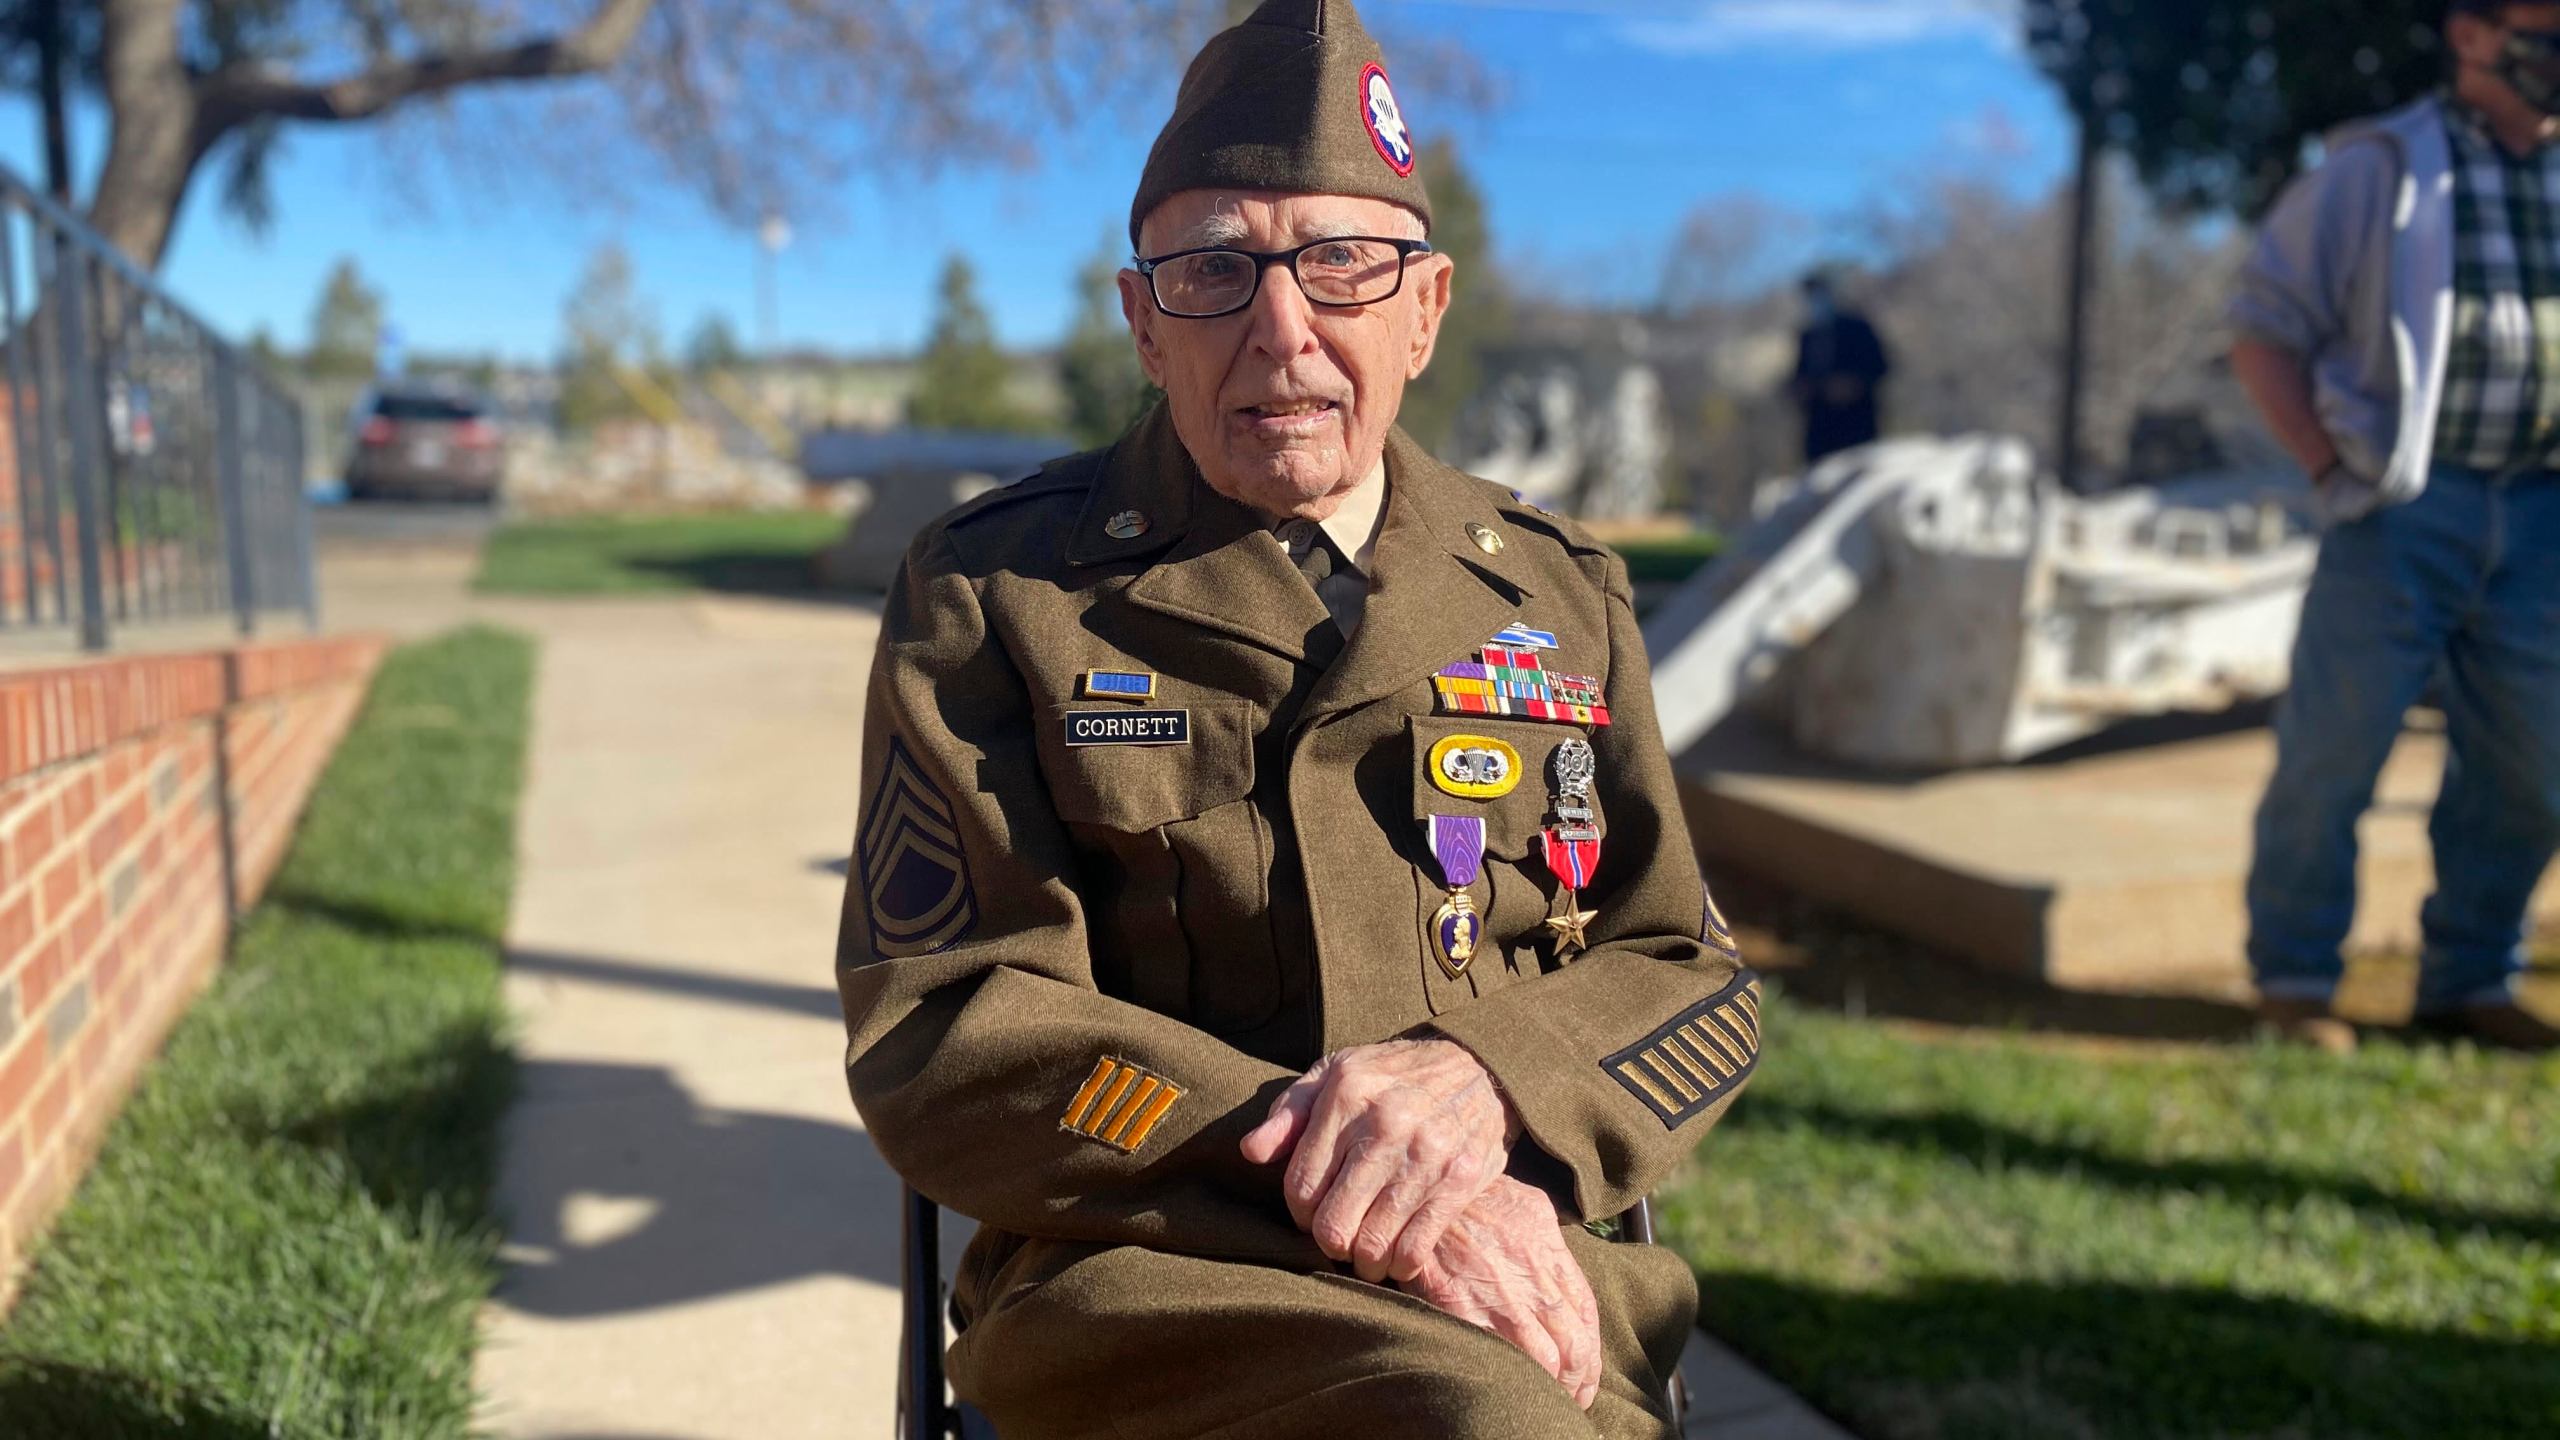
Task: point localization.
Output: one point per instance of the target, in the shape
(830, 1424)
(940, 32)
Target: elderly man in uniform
(1272, 916)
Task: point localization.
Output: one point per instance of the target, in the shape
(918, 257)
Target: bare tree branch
(229, 97)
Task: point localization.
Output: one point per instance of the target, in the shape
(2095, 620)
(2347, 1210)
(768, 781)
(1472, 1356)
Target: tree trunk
(163, 121)
(152, 144)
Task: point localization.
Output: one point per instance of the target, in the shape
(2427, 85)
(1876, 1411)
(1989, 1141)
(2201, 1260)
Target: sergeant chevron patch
(1702, 1056)
(1714, 929)
(914, 869)
(1120, 1104)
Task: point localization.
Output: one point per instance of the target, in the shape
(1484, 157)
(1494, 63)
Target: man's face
(1286, 404)
(2478, 41)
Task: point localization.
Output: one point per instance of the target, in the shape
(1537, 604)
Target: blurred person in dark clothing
(2399, 324)
(1840, 367)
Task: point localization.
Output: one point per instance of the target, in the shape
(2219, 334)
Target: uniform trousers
(1123, 1343)
(2460, 586)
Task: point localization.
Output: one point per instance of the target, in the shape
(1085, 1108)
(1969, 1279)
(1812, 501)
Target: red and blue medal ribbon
(1573, 858)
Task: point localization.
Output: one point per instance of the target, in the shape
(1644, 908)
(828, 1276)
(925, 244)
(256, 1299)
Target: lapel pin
(1127, 525)
(1485, 539)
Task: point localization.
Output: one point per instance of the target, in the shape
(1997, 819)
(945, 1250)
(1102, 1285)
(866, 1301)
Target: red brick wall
(112, 831)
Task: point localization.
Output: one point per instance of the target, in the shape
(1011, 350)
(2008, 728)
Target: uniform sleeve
(1621, 1060)
(2294, 290)
(987, 1067)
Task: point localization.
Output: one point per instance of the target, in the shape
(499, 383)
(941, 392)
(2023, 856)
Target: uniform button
(1297, 535)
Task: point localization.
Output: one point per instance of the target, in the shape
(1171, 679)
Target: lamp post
(772, 237)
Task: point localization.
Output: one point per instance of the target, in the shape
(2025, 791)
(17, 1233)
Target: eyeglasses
(1352, 270)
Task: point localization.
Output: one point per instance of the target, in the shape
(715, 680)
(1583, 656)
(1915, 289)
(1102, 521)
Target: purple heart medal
(1457, 842)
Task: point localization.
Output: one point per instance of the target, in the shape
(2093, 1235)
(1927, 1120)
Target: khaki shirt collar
(1354, 528)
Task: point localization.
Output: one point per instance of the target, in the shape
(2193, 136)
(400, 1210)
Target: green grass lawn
(658, 554)
(1968, 1237)
(288, 1231)
(1668, 558)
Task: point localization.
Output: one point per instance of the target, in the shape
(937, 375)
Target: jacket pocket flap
(1136, 781)
(1453, 756)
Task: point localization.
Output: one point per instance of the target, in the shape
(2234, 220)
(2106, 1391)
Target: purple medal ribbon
(1457, 842)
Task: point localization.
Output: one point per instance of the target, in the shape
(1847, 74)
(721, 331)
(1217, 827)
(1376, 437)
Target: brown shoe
(2308, 1023)
(2504, 1024)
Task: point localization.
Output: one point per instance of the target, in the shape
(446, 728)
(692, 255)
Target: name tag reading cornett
(1129, 727)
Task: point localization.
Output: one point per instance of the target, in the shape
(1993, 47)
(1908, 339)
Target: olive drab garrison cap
(1294, 98)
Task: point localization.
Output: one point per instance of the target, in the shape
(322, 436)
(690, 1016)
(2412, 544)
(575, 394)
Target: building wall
(116, 830)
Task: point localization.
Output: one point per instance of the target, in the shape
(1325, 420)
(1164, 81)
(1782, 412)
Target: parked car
(426, 445)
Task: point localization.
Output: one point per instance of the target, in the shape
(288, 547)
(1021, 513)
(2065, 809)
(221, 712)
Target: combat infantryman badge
(1521, 637)
(1457, 842)
(1571, 846)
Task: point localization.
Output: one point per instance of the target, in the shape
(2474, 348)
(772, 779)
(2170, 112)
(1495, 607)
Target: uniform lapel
(1436, 596)
(1222, 570)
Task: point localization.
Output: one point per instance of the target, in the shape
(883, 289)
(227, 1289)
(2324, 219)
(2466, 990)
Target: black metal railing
(148, 470)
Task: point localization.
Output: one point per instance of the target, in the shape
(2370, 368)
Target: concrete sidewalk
(701, 1243)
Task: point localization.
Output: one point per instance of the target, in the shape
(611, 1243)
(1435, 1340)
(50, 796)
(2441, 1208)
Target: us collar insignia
(1131, 685)
(1512, 680)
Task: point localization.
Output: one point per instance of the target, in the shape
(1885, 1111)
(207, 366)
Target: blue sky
(1618, 117)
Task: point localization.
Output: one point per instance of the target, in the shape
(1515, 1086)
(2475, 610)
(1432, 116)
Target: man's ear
(1138, 307)
(1432, 285)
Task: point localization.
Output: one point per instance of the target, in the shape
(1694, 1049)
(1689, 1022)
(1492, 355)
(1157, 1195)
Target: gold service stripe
(1129, 1110)
(1154, 1112)
(1644, 1082)
(1687, 1093)
(1718, 1050)
(1075, 1108)
(1110, 1098)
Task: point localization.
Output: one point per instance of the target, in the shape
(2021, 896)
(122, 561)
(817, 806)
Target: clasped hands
(1396, 1155)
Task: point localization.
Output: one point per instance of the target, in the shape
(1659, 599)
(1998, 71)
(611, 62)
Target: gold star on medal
(1569, 927)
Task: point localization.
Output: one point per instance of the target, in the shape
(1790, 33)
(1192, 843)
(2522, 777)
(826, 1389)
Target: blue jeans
(2463, 583)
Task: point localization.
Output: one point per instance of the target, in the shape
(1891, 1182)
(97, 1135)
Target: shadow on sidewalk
(624, 1194)
(818, 1001)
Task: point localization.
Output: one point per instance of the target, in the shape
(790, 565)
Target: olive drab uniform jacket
(1132, 857)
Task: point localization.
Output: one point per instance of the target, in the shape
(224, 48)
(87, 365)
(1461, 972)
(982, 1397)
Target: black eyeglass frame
(1263, 260)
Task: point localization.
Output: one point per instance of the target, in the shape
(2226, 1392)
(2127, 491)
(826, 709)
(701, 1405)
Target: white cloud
(1723, 26)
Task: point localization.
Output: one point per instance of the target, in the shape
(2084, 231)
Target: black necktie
(1311, 550)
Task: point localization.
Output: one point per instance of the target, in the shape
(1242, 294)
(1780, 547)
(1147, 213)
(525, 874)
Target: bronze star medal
(1569, 927)
(1571, 846)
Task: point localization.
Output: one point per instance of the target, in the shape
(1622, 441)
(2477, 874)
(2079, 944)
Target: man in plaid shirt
(2399, 328)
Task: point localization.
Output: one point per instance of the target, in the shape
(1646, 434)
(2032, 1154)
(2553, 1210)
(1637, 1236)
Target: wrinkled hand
(1504, 1266)
(1391, 1143)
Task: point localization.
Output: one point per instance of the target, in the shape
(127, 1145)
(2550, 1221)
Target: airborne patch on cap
(1385, 120)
